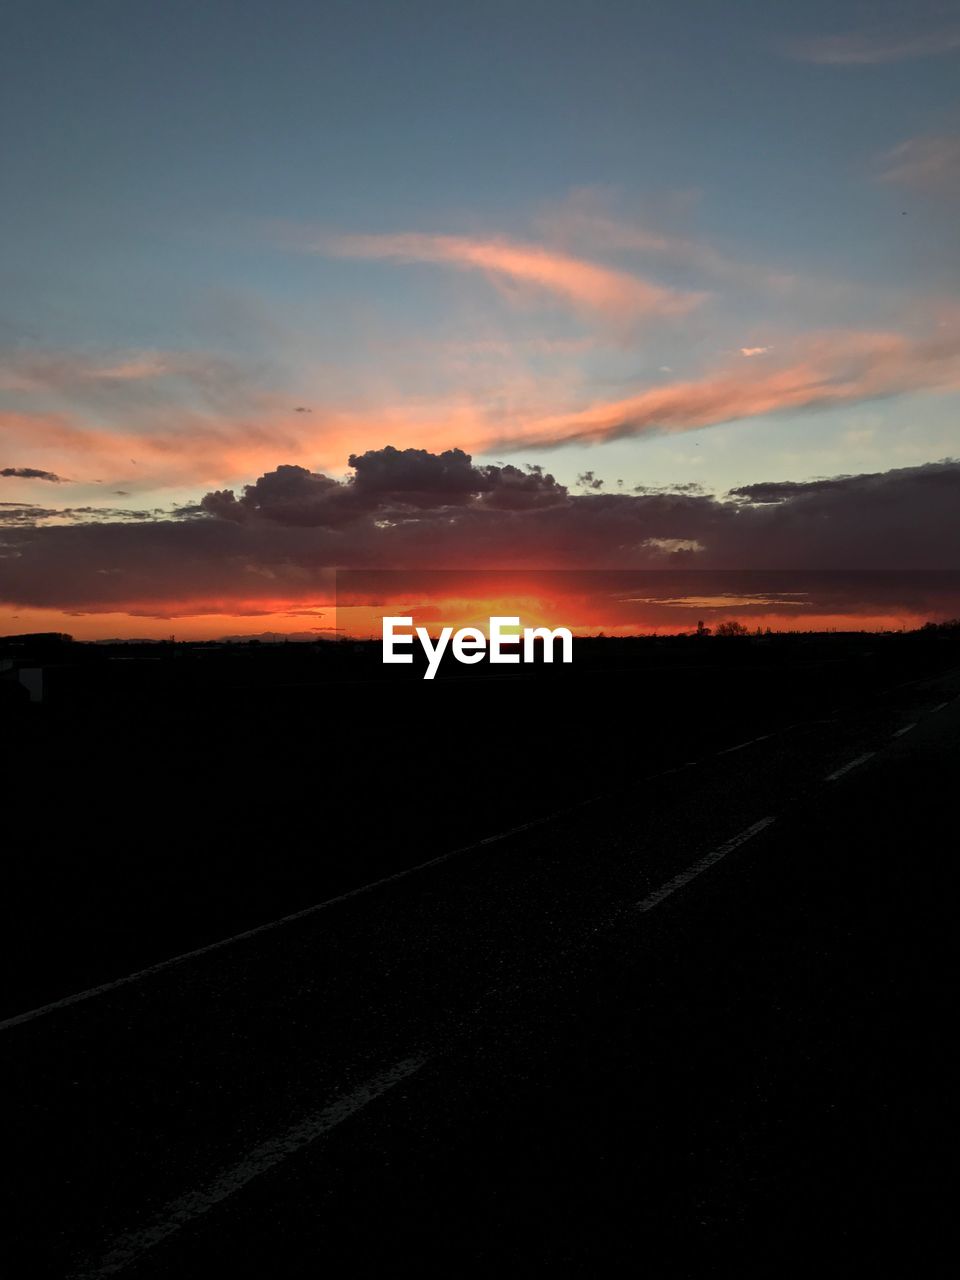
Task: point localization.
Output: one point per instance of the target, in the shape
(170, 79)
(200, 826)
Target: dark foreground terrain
(691, 1013)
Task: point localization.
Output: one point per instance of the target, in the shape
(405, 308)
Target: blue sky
(205, 204)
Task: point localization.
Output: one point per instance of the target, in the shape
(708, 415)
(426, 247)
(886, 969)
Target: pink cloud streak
(617, 294)
(831, 369)
(172, 445)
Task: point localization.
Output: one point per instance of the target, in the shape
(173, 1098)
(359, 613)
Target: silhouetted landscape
(190, 791)
(536, 1045)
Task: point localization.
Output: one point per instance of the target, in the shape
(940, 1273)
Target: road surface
(702, 1018)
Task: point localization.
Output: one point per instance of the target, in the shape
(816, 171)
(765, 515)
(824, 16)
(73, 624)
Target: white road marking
(666, 773)
(138, 975)
(161, 966)
(838, 773)
(132, 1245)
(939, 707)
(182, 1211)
(678, 881)
(906, 729)
(31, 1014)
(740, 745)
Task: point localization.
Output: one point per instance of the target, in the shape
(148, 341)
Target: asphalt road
(701, 1020)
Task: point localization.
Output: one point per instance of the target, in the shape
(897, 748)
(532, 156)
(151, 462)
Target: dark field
(165, 796)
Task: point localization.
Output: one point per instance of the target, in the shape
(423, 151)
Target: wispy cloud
(585, 220)
(128, 377)
(158, 418)
(174, 443)
(618, 295)
(165, 452)
(871, 47)
(831, 369)
(927, 163)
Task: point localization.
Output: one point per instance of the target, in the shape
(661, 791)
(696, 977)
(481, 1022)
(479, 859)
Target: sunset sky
(609, 261)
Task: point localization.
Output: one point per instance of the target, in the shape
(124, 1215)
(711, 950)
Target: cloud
(421, 479)
(124, 377)
(167, 416)
(875, 46)
(30, 473)
(825, 370)
(170, 441)
(585, 220)
(12, 513)
(172, 445)
(15, 513)
(393, 484)
(615, 294)
(275, 548)
(754, 351)
(785, 490)
(929, 164)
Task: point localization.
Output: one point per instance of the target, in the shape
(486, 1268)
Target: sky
(634, 257)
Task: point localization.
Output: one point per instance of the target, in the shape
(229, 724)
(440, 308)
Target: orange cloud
(161, 441)
(616, 294)
(195, 448)
(830, 370)
(173, 446)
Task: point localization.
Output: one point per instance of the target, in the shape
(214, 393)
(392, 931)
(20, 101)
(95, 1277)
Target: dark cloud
(423, 480)
(284, 536)
(29, 473)
(938, 480)
(783, 490)
(418, 473)
(13, 513)
(290, 495)
(393, 484)
(690, 486)
(513, 489)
